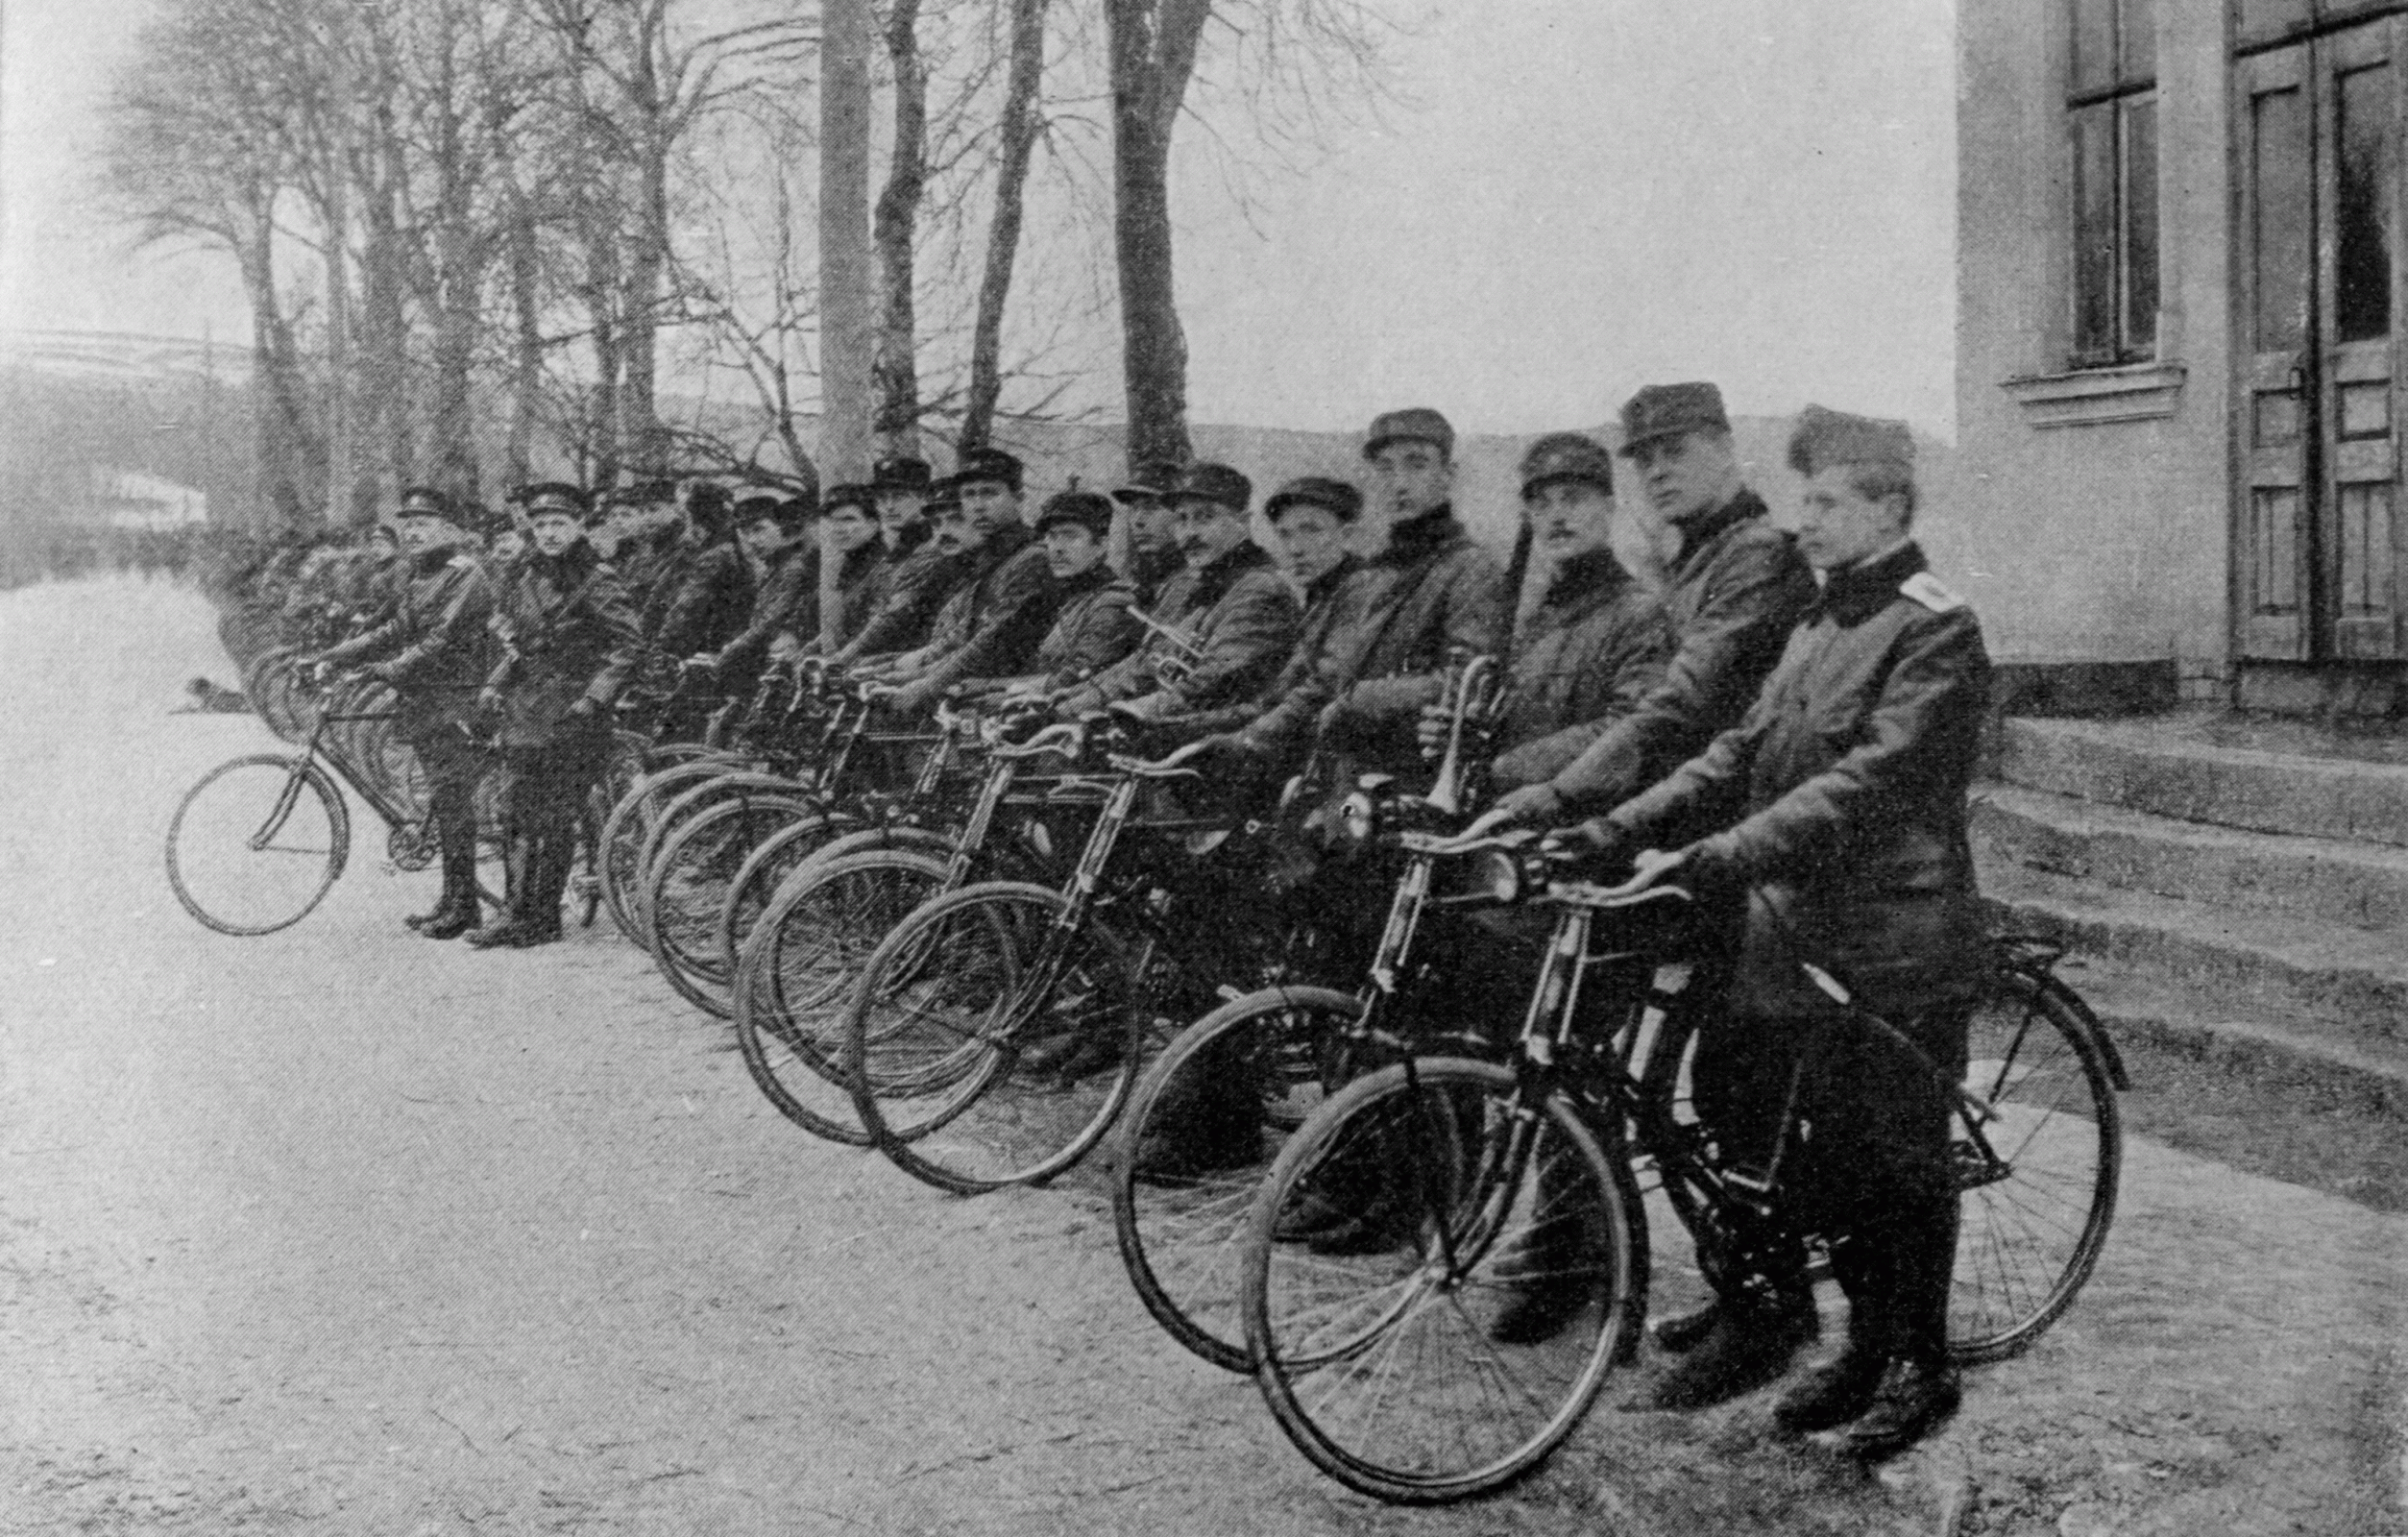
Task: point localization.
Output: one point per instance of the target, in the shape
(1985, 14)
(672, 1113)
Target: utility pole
(847, 299)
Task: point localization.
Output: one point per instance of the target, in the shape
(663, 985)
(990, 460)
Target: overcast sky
(1574, 197)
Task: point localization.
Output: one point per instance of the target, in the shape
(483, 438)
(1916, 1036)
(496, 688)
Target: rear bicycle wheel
(258, 844)
(984, 1047)
(1204, 1123)
(2037, 1147)
(797, 971)
(1376, 1357)
(625, 829)
(765, 870)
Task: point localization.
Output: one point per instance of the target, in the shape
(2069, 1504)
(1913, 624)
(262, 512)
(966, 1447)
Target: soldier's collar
(1856, 592)
(1421, 534)
(1706, 528)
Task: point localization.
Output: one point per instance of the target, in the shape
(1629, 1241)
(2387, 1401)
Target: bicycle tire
(623, 832)
(210, 855)
(797, 974)
(689, 884)
(944, 1028)
(1183, 1229)
(1331, 1334)
(695, 797)
(765, 870)
(2029, 1239)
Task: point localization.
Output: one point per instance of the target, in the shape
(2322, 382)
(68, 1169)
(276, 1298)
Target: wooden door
(2321, 126)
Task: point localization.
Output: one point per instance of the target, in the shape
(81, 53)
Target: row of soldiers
(1785, 720)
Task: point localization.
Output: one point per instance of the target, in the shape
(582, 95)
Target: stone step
(2188, 768)
(2323, 880)
(2317, 988)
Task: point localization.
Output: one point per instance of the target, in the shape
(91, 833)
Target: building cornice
(2087, 397)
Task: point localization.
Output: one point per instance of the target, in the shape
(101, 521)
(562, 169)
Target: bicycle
(257, 842)
(1378, 1363)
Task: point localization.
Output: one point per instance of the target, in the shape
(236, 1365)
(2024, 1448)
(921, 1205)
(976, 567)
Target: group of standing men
(1785, 720)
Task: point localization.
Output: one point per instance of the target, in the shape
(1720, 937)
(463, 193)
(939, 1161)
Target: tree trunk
(1152, 55)
(846, 321)
(896, 372)
(1020, 124)
(526, 353)
(292, 469)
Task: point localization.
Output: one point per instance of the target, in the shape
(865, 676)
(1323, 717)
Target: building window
(2111, 108)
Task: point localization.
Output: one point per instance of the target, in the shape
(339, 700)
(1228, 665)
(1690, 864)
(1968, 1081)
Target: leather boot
(458, 913)
(548, 878)
(507, 930)
(1836, 1392)
(1750, 1344)
(1914, 1399)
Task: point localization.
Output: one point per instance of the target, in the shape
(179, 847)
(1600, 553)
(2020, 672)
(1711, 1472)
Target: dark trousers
(1867, 1165)
(454, 763)
(543, 787)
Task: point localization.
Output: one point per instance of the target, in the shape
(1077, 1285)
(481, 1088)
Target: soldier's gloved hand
(381, 671)
(1431, 730)
(703, 661)
(489, 701)
(913, 699)
(1600, 844)
(584, 709)
(1532, 804)
(1226, 744)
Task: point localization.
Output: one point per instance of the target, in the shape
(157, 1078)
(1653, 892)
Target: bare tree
(1153, 50)
(894, 370)
(1021, 125)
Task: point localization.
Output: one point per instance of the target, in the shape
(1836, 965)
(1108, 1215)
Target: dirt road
(340, 1230)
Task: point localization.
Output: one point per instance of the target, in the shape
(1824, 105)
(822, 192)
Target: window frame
(2132, 333)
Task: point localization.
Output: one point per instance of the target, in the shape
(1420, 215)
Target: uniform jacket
(1282, 718)
(1733, 592)
(1593, 649)
(909, 588)
(703, 598)
(568, 632)
(1150, 571)
(1238, 612)
(1092, 629)
(1840, 797)
(787, 598)
(1438, 592)
(989, 626)
(436, 648)
(860, 584)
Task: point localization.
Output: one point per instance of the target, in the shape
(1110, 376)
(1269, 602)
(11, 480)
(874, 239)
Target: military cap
(1418, 423)
(1567, 457)
(1824, 437)
(984, 464)
(424, 502)
(1335, 498)
(759, 506)
(555, 497)
(854, 494)
(899, 471)
(707, 501)
(1153, 480)
(1086, 509)
(1667, 410)
(945, 493)
(1216, 482)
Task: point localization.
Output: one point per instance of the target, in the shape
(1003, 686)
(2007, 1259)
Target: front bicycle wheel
(1203, 1127)
(797, 974)
(258, 844)
(2037, 1147)
(990, 1043)
(687, 886)
(1379, 1353)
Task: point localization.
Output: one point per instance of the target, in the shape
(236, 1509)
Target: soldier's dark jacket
(1092, 629)
(436, 648)
(910, 588)
(786, 599)
(1240, 615)
(568, 631)
(1150, 571)
(1589, 654)
(1842, 798)
(862, 582)
(989, 625)
(1438, 592)
(704, 598)
(1733, 592)
(1282, 718)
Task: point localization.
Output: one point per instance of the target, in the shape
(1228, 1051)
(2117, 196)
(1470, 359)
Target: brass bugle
(1471, 692)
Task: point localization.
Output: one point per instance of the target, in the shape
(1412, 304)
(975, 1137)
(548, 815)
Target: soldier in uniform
(849, 535)
(570, 640)
(1437, 592)
(436, 652)
(701, 598)
(1734, 589)
(1154, 556)
(1311, 516)
(777, 531)
(1092, 626)
(1226, 621)
(915, 577)
(1839, 802)
(1003, 596)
